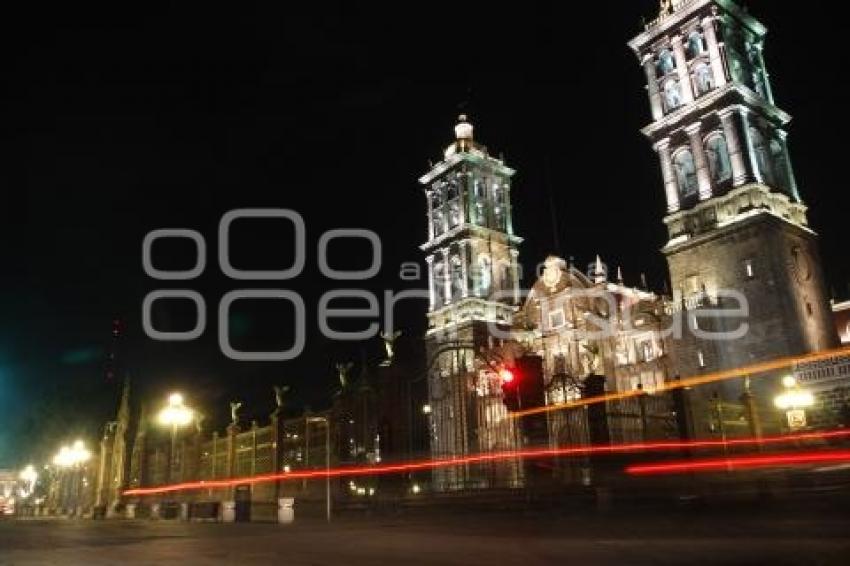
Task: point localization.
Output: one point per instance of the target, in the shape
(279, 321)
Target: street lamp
(28, 477)
(175, 415)
(73, 458)
(794, 401)
(327, 460)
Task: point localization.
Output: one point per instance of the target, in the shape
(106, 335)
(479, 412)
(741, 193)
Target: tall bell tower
(735, 217)
(474, 291)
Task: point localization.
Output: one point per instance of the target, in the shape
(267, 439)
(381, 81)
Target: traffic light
(510, 389)
(522, 384)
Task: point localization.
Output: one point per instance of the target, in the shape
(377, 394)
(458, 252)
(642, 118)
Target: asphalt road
(758, 538)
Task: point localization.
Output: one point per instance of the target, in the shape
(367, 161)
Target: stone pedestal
(286, 510)
(228, 512)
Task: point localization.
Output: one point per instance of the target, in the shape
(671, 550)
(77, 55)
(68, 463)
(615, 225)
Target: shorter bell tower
(474, 289)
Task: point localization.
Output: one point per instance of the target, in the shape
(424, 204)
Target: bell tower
(474, 290)
(735, 217)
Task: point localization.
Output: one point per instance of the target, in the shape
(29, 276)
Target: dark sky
(121, 120)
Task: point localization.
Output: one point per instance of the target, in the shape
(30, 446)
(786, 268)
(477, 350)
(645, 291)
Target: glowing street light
(28, 477)
(175, 415)
(72, 458)
(794, 401)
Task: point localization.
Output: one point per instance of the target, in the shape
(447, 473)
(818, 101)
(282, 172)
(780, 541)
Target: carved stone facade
(735, 217)
(474, 290)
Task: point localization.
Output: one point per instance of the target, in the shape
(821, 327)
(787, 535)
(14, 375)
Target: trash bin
(99, 512)
(286, 510)
(131, 510)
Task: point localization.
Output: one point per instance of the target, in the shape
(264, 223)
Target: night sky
(122, 120)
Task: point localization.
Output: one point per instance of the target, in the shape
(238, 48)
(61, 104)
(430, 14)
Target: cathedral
(739, 242)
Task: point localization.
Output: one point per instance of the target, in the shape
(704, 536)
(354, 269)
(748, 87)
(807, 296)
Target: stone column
(717, 68)
(792, 181)
(429, 196)
(700, 160)
(447, 275)
(682, 69)
(463, 196)
(232, 431)
(105, 465)
(509, 223)
(751, 161)
(432, 292)
(765, 76)
(515, 273)
(214, 456)
(733, 144)
(671, 187)
(254, 426)
(652, 87)
(276, 426)
(464, 268)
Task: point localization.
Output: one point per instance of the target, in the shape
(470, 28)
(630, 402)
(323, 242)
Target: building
(474, 291)
(738, 231)
(841, 315)
(114, 460)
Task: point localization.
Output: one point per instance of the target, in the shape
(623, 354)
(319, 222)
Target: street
(767, 536)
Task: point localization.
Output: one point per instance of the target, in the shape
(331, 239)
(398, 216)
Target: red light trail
(534, 453)
(741, 462)
(761, 367)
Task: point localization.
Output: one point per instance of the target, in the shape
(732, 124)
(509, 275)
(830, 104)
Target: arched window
(440, 283)
(437, 197)
(505, 279)
(717, 153)
(686, 173)
(780, 164)
(452, 191)
(454, 215)
(703, 78)
(761, 151)
(438, 222)
(484, 275)
(458, 284)
(672, 94)
(696, 45)
(480, 189)
(666, 64)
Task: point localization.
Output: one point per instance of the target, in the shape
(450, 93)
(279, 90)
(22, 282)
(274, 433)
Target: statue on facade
(279, 392)
(234, 412)
(199, 422)
(591, 359)
(665, 7)
(389, 340)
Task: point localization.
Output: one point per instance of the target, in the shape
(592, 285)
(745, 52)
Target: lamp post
(175, 415)
(73, 458)
(327, 461)
(794, 401)
(28, 478)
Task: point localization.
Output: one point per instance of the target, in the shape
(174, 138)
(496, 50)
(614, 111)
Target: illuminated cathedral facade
(739, 241)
